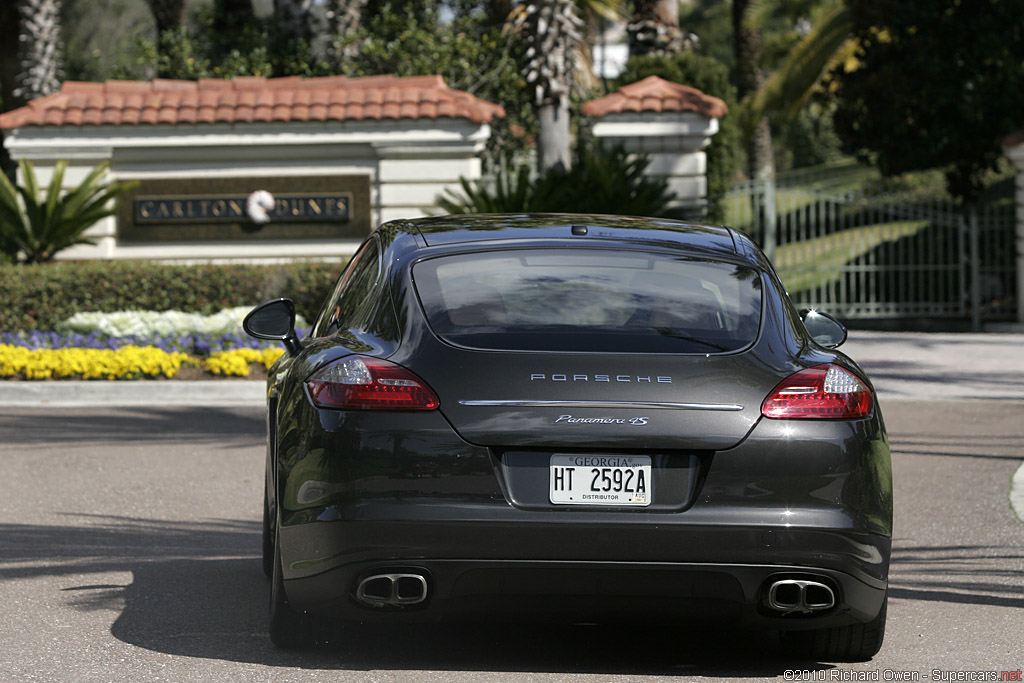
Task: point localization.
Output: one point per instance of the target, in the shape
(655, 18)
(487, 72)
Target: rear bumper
(510, 573)
(570, 592)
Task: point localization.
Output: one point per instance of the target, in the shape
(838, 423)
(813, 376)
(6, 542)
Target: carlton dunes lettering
(293, 208)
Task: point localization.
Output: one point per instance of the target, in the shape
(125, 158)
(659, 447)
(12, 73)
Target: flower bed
(126, 362)
(165, 345)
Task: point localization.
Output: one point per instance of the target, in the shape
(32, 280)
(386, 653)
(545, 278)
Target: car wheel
(854, 643)
(289, 629)
(268, 537)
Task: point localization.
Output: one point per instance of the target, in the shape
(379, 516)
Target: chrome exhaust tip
(395, 590)
(800, 595)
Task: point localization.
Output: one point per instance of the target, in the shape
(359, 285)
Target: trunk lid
(508, 399)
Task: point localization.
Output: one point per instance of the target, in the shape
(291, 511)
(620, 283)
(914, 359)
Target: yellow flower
(127, 362)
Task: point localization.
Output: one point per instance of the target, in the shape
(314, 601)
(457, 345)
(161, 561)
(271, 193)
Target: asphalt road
(129, 541)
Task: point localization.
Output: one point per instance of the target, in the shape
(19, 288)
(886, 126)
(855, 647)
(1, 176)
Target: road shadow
(197, 590)
(183, 424)
(958, 574)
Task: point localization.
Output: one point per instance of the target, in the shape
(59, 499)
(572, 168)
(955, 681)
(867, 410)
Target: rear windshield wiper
(667, 332)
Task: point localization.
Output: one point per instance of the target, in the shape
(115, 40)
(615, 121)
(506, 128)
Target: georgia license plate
(600, 480)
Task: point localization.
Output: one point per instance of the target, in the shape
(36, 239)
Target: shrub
(604, 182)
(40, 297)
(34, 227)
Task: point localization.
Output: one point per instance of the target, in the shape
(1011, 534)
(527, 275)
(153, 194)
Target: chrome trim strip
(722, 407)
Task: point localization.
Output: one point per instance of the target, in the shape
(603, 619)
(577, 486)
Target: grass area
(818, 262)
(799, 189)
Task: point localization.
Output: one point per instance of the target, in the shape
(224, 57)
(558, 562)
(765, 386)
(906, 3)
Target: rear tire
(289, 629)
(854, 643)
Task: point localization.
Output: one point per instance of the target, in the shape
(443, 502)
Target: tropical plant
(511, 191)
(827, 45)
(599, 181)
(34, 229)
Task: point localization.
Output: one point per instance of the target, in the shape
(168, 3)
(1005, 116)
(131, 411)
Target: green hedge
(40, 296)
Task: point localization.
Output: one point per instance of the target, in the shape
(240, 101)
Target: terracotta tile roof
(252, 99)
(656, 95)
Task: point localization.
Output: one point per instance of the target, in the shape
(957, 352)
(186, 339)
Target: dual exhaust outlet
(799, 596)
(786, 596)
(392, 590)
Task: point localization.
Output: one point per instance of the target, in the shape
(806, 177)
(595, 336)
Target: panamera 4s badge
(635, 421)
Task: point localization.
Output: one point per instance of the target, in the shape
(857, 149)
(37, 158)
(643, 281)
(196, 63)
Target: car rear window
(582, 300)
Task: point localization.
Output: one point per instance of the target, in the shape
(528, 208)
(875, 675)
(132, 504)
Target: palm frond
(789, 88)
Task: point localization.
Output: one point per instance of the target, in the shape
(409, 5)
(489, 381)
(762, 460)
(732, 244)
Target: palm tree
(654, 27)
(39, 38)
(827, 45)
(749, 79)
(553, 31)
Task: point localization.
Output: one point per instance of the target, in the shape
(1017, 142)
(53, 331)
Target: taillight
(824, 392)
(366, 383)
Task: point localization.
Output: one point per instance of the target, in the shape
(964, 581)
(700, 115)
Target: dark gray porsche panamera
(573, 417)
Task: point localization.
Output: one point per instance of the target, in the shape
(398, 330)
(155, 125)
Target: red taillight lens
(365, 383)
(824, 392)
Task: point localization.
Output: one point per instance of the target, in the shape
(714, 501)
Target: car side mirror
(823, 328)
(275, 320)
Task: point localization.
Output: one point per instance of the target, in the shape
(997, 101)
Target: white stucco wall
(408, 162)
(673, 141)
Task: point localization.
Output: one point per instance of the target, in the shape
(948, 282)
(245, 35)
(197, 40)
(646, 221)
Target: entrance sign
(215, 209)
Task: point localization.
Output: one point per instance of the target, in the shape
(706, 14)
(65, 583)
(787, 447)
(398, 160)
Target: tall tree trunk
(654, 28)
(747, 46)
(168, 14)
(553, 136)
(551, 29)
(40, 49)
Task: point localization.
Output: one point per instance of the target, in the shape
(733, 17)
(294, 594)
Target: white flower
(158, 323)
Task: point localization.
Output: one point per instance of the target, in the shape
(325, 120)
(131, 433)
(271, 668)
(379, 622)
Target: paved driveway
(129, 540)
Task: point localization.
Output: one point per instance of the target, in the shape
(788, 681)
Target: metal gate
(844, 242)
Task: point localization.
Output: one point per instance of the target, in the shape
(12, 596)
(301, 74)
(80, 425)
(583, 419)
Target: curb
(66, 393)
